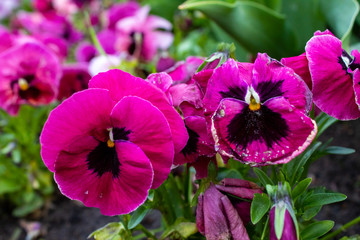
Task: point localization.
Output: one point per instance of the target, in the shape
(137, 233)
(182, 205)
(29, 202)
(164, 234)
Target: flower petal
(153, 135)
(79, 115)
(113, 195)
(332, 85)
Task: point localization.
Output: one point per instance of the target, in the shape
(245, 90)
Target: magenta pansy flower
(335, 76)
(25, 79)
(103, 153)
(259, 111)
(121, 84)
(139, 35)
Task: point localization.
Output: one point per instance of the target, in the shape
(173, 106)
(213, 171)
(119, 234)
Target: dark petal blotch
(191, 145)
(269, 89)
(104, 159)
(262, 125)
(121, 134)
(235, 92)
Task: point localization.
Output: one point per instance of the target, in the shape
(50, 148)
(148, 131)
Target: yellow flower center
(110, 143)
(254, 105)
(23, 84)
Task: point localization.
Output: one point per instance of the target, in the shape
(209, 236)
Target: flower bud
(283, 223)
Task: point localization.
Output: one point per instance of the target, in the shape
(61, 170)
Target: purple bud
(289, 230)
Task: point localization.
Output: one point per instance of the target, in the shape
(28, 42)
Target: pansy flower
(335, 76)
(140, 35)
(28, 79)
(107, 148)
(259, 111)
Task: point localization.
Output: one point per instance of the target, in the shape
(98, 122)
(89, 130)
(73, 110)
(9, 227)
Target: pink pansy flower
(25, 79)
(258, 111)
(75, 77)
(139, 36)
(335, 76)
(134, 86)
(100, 148)
(221, 213)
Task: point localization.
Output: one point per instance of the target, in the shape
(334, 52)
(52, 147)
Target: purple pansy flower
(258, 111)
(25, 79)
(335, 76)
(100, 148)
(220, 216)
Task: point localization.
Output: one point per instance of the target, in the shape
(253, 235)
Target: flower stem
(342, 229)
(146, 232)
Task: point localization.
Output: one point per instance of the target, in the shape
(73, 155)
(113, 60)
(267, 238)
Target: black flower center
(104, 158)
(262, 125)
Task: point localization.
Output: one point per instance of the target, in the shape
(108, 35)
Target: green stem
(342, 228)
(265, 228)
(145, 231)
(93, 36)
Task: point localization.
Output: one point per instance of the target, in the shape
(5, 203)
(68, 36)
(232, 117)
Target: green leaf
(182, 227)
(263, 177)
(339, 150)
(158, 6)
(300, 188)
(340, 15)
(323, 121)
(311, 212)
(259, 206)
(305, 17)
(109, 232)
(295, 167)
(138, 216)
(319, 199)
(256, 27)
(9, 185)
(316, 229)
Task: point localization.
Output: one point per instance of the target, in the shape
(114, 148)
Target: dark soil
(69, 220)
